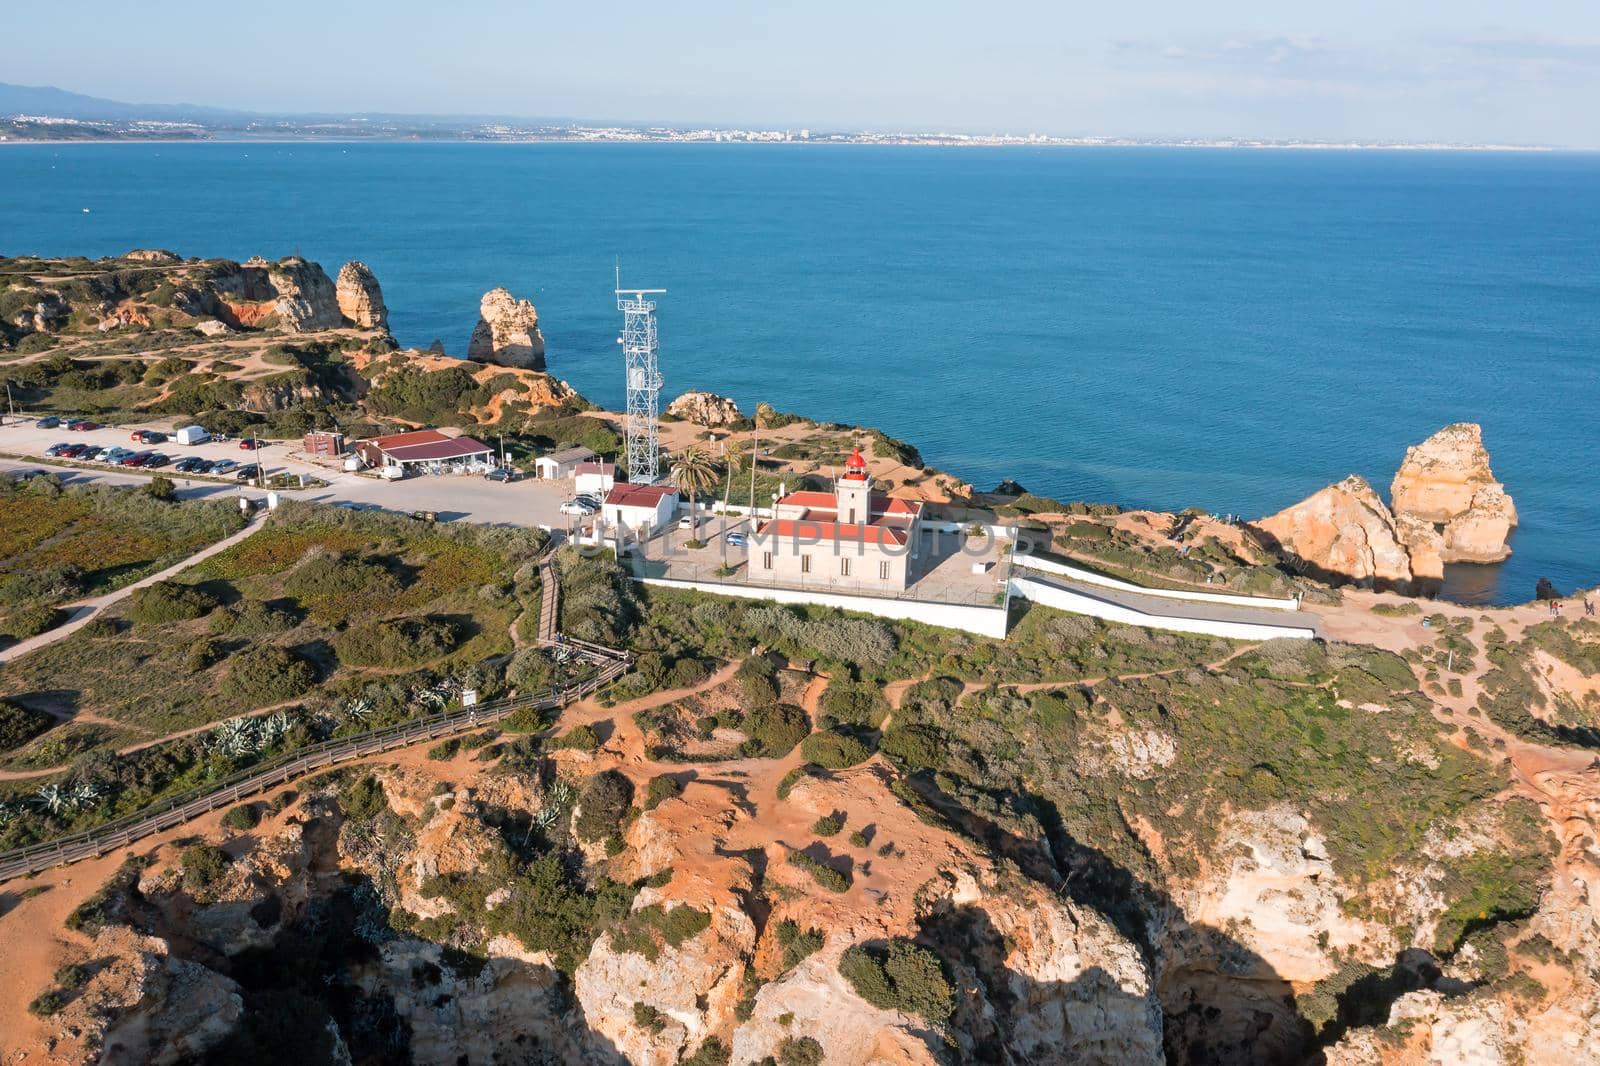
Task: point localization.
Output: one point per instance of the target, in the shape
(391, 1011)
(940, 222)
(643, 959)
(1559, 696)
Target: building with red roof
(851, 538)
(645, 508)
(424, 450)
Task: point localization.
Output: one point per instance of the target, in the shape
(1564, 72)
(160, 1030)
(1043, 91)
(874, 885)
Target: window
(805, 564)
(766, 560)
(844, 567)
(883, 570)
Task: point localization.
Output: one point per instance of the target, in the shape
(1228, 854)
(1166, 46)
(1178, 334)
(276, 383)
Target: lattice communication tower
(640, 349)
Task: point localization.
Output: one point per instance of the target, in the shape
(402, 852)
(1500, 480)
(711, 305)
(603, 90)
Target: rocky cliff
(507, 332)
(705, 409)
(359, 297)
(1344, 530)
(1446, 482)
(1447, 508)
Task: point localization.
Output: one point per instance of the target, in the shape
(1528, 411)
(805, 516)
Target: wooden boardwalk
(607, 665)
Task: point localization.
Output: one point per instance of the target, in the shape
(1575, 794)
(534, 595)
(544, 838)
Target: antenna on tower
(640, 348)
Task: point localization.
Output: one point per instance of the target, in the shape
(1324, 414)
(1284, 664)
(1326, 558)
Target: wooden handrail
(186, 806)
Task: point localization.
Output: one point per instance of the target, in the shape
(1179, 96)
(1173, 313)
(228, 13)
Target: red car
(136, 459)
(82, 425)
(249, 444)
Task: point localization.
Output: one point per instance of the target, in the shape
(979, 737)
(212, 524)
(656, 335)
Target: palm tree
(694, 472)
(733, 458)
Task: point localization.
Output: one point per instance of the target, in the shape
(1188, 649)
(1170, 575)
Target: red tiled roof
(827, 501)
(433, 451)
(401, 440)
(805, 529)
(637, 495)
(596, 468)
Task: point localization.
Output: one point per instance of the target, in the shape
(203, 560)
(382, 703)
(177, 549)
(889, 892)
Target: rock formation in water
(1344, 530)
(705, 409)
(360, 298)
(1446, 482)
(507, 332)
(1448, 508)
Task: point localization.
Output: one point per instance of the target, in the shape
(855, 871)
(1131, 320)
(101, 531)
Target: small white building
(595, 479)
(563, 463)
(639, 508)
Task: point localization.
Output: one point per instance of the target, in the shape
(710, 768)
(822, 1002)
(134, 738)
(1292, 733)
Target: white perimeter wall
(1089, 577)
(984, 621)
(1080, 603)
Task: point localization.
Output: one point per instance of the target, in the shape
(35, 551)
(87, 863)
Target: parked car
(249, 444)
(108, 454)
(500, 474)
(137, 458)
(249, 473)
(588, 498)
(78, 425)
(158, 459)
(578, 507)
(686, 522)
(72, 451)
(57, 449)
(218, 466)
(149, 436)
(736, 539)
(48, 422)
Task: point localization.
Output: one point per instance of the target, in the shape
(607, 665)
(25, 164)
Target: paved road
(529, 502)
(1158, 606)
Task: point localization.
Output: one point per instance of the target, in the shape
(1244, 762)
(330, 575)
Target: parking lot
(526, 502)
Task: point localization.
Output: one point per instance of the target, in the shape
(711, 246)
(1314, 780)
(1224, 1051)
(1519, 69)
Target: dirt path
(86, 610)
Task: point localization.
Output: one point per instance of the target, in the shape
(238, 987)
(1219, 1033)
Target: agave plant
(234, 738)
(53, 798)
(8, 813)
(84, 794)
(358, 709)
(274, 727)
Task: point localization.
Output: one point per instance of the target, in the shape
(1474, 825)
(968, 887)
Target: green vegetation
(18, 724)
(361, 799)
(660, 789)
(798, 944)
(398, 642)
(774, 730)
(800, 1051)
(243, 817)
(649, 1018)
(829, 878)
(268, 675)
(650, 928)
(834, 750)
(900, 976)
(828, 825)
(169, 601)
(203, 866)
(601, 805)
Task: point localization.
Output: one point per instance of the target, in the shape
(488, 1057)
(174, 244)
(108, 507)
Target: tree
(161, 488)
(733, 459)
(694, 472)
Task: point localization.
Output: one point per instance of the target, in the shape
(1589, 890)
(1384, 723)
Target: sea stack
(360, 298)
(507, 333)
(1446, 483)
(1343, 531)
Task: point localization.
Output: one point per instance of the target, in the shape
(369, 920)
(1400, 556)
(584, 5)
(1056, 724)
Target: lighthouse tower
(854, 490)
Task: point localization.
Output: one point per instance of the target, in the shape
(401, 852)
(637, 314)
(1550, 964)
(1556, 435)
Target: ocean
(1228, 329)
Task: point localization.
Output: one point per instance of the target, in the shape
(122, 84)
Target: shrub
(776, 728)
(256, 618)
(328, 576)
(445, 749)
(649, 1018)
(917, 746)
(648, 929)
(713, 1052)
(245, 816)
(19, 724)
(398, 642)
(161, 488)
(834, 750)
(267, 675)
(578, 738)
(47, 1003)
(169, 601)
(828, 825)
(602, 804)
(797, 944)
(362, 799)
(203, 866)
(856, 702)
(204, 654)
(824, 875)
(660, 789)
(800, 1051)
(900, 976)
(757, 679)
(791, 779)
(30, 621)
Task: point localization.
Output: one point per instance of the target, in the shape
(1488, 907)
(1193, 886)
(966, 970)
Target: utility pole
(10, 406)
(755, 449)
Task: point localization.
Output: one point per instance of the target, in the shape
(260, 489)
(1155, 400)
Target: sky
(1524, 72)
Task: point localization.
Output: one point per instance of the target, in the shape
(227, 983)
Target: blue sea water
(1226, 329)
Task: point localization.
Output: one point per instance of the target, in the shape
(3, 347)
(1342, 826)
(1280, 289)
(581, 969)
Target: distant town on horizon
(34, 114)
